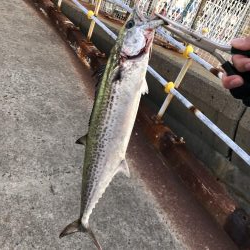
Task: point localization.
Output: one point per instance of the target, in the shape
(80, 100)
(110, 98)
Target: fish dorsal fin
(82, 140)
(144, 87)
(123, 168)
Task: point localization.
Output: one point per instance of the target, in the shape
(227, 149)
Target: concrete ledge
(205, 92)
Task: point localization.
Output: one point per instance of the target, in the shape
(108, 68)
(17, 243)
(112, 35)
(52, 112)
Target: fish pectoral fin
(77, 226)
(82, 140)
(123, 167)
(144, 87)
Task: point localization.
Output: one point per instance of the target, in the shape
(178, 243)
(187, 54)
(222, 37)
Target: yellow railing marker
(171, 85)
(189, 49)
(90, 14)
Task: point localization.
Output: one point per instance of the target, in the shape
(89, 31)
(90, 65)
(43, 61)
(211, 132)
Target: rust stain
(193, 109)
(64, 25)
(210, 193)
(215, 71)
(172, 196)
(85, 50)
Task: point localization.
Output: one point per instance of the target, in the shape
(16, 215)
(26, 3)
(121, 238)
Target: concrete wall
(205, 92)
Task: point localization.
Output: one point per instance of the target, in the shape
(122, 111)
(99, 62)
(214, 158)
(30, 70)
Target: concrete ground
(44, 107)
(46, 98)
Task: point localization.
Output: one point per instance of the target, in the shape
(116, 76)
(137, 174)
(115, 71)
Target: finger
(241, 63)
(241, 43)
(230, 82)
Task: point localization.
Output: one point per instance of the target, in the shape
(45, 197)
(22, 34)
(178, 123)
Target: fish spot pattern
(107, 143)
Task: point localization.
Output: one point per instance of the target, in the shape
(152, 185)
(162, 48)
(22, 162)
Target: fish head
(139, 32)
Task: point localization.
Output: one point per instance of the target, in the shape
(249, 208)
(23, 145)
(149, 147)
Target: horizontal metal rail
(238, 150)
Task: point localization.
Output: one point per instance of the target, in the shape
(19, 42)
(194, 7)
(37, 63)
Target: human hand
(242, 63)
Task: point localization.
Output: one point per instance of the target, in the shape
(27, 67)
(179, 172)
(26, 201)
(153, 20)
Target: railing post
(92, 24)
(59, 3)
(177, 84)
(189, 49)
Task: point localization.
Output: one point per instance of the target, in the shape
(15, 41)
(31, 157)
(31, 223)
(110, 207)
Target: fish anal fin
(82, 140)
(123, 168)
(75, 227)
(144, 87)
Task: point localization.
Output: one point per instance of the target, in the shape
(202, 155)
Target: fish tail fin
(73, 227)
(77, 226)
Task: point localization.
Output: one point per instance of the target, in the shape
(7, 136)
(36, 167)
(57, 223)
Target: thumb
(241, 43)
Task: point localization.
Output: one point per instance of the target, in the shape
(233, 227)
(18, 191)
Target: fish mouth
(144, 50)
(139, 55)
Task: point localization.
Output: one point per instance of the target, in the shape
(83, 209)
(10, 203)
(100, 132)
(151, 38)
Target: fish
(113, 115)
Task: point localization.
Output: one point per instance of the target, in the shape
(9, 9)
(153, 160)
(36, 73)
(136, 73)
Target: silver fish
(113, 115)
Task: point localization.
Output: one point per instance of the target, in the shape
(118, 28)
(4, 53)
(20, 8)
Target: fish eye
(130, 24)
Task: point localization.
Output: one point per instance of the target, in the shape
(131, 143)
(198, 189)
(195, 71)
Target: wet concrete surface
(44, 107)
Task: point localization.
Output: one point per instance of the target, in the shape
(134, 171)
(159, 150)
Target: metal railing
(222, 19)
(169, 86)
